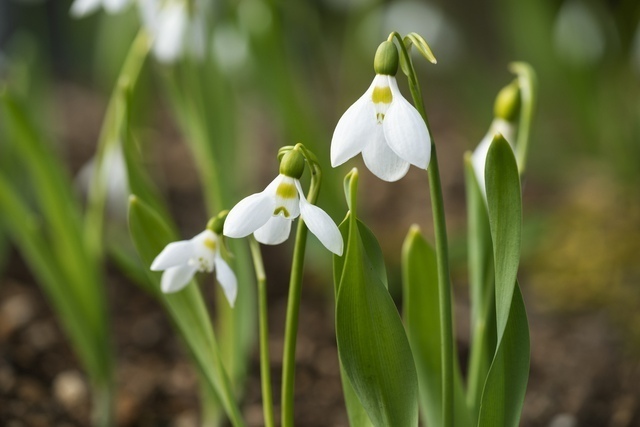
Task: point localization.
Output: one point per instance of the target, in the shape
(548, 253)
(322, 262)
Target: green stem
(442, 251)
(102, 411)
(265, 366)
(293, 306)
(110, 134)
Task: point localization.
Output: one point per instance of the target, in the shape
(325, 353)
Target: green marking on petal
(283, 210)
(287, 190)
(382, 95)
(209, 243)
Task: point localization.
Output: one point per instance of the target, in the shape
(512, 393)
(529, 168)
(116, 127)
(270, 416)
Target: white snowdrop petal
(479, 156)
(354, 129)
(286, 198)
(227, 279)
(249, 214)
(82, 8)
(275, 231)
(406, 132)
(382, 161)
(479, 159)
(176, 278)
(322, 226)
(115, 6)
(170, 32)
(175, 253)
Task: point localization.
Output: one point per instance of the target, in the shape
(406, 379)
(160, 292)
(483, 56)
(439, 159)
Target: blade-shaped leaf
(505, 218)
(372, 344)
(527, 81)
(506, 384)
(481, 290)
(421, 313)
(187, 309)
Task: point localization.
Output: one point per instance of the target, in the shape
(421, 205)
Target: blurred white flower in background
(82, 8)
(578, 34)
(230, 47)
(424, 18)
(174, 28)
(114, 175)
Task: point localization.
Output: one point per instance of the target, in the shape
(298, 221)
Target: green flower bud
(386, 60)
(216, 224)
(507, 105)
(292, 164)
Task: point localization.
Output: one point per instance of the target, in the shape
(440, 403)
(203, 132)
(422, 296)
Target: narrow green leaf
(506, 384)
(27, 233)
(372, 344)
(187, 309)
(481, 290)
(505, 218)
(421, 44)
(528, 83)
(422, 321)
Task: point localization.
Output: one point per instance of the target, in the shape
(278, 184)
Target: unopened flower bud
(386, 59)
(507, 105)
(292, 164)
(216, 224)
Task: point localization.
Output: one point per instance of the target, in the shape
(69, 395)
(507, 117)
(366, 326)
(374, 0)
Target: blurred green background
(284, 73)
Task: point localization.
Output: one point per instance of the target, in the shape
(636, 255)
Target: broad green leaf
(506, 384)
(422, 321)
(372, 344)
(355, 411)
(481, 290)
(505, 218)
(187, 309)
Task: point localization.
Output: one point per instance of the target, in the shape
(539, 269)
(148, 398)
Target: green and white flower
(269, 214)
(383, 126)
(181, 260)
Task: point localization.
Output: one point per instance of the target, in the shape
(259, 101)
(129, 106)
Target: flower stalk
(265, 365)
(293, 306)
(442, 251)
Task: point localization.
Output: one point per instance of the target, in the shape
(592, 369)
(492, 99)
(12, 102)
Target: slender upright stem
(442, 251)
(293, 306)
(265, 366)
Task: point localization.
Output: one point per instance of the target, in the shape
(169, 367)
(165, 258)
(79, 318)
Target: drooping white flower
(173, 29)
(113, 174)
(181, 260)
(82, 8)
(479, 156)
(269, 215)
(384, 127)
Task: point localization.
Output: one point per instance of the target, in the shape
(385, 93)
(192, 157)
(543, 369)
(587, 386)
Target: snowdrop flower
(383, 125)
(269, 214)
(114, 175)
(174, 28)
(181, 260)
(506, 110)
(82, 8)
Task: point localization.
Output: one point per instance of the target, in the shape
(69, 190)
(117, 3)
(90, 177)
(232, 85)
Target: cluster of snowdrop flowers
(506, 110)
(270, 213)
(383, 125)
(181, 260)
(176, 27)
